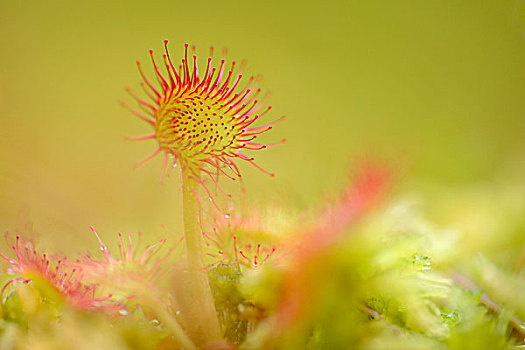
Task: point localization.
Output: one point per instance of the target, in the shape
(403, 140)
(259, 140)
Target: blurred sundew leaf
(382, 266)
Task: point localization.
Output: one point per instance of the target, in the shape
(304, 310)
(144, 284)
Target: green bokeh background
(437, 87)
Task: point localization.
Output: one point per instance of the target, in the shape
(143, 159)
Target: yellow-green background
(437, 87)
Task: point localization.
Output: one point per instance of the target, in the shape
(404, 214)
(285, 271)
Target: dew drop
(422, 263)
(227, 216)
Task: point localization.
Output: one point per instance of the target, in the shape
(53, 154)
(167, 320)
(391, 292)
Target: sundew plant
(363, 269)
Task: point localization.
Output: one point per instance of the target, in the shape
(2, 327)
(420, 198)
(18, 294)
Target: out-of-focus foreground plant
(364, 270)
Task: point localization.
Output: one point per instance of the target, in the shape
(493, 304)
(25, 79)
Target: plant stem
(170, 322)
(203, 321)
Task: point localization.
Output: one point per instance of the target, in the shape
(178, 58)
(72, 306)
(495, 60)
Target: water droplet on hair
(227, 216)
